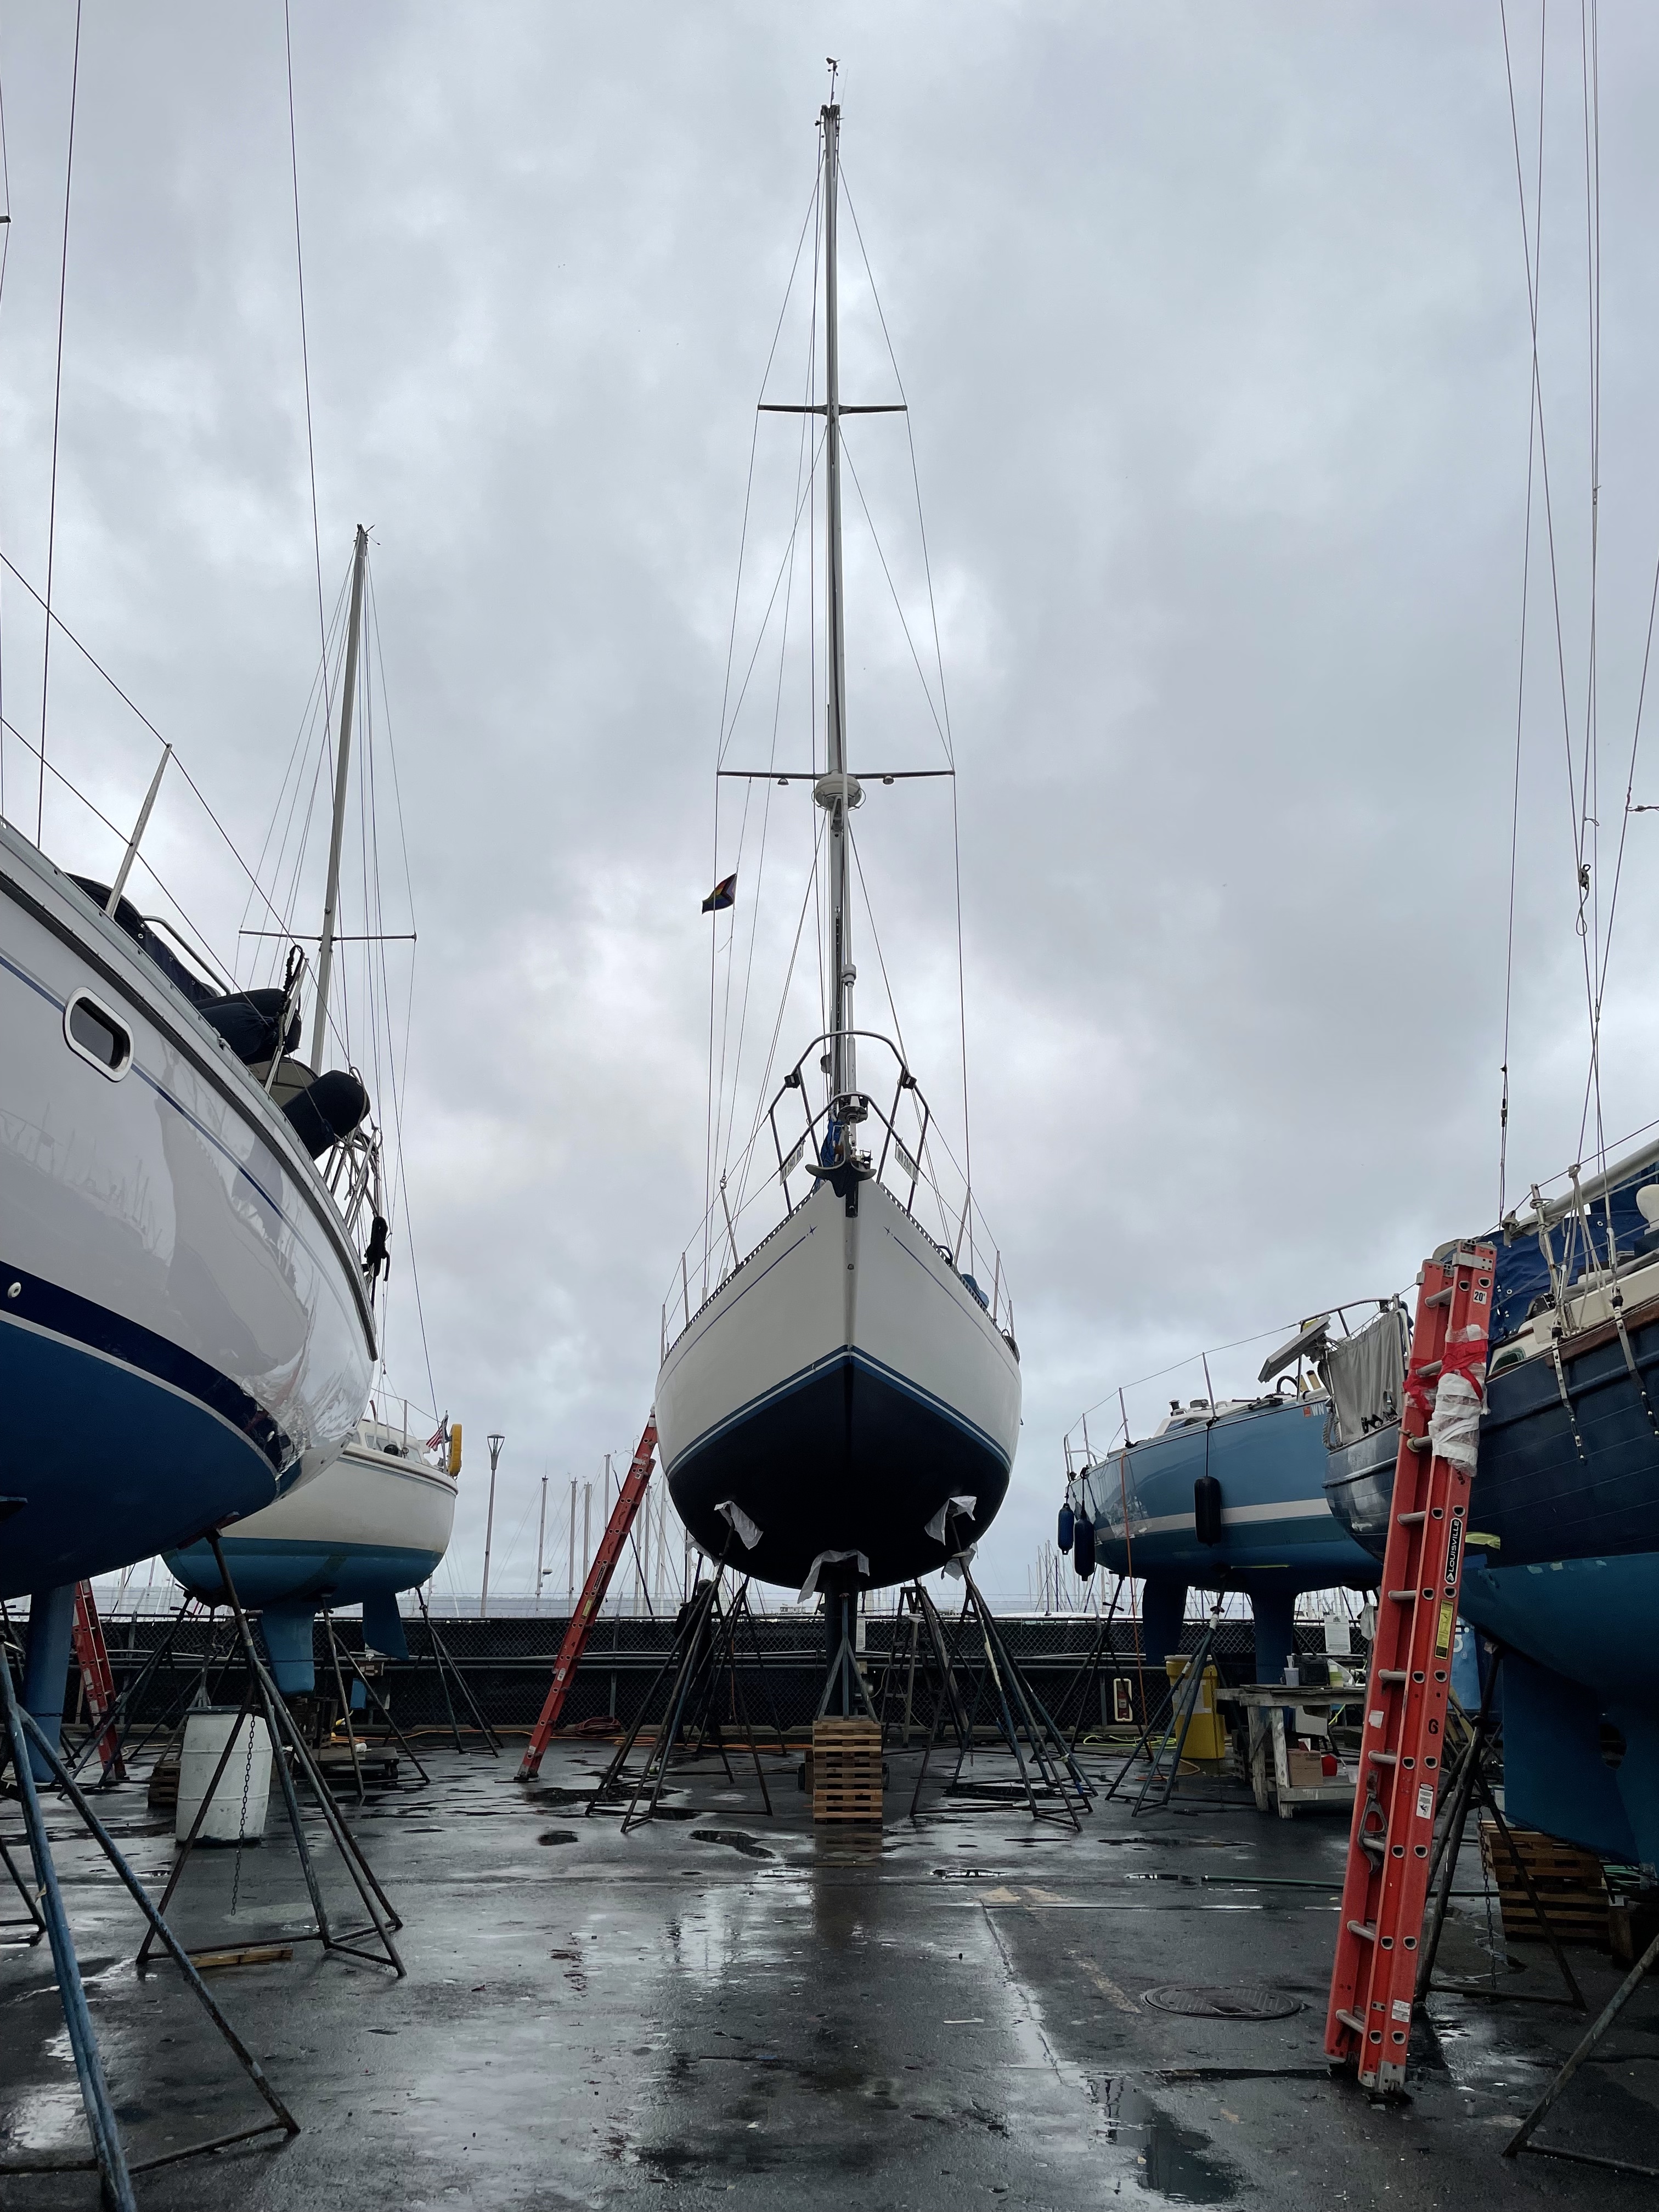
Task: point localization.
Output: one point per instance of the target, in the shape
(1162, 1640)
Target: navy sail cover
(1523, 1273)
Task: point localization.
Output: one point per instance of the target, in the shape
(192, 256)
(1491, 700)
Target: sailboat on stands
(841, 1411)
(376, 1519)
(186, 1323)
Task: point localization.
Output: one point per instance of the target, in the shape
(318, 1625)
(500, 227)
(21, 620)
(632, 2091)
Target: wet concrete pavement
(721, 2009)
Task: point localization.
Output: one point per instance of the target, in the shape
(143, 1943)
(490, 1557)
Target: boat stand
(926, 1656)
(1472, 1782)
(448, 1671)
(120, 1718)
(1090, 1672)
(705, 1649)
(336, 1652)
(263, 1700)
(1181, 1701)
(1523, 2138)
(109, 2159)
(1047, 1770)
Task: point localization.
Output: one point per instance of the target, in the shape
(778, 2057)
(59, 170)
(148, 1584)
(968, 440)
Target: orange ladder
(628, 1500)
(1374, 1979)
(98, 1679)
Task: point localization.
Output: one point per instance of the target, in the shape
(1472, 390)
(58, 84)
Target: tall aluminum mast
(837, 791)
(342, 763)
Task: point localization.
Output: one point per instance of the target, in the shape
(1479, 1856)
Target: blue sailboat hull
(1567, 1491)
(1278, 1536)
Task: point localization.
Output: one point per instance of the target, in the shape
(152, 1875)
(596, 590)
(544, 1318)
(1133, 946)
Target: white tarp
(1365, 1375)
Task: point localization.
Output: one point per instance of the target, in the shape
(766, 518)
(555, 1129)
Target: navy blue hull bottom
(110, 1464)
(846, 1461)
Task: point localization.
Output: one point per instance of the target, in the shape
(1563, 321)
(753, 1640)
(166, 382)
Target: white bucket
(245, 1782)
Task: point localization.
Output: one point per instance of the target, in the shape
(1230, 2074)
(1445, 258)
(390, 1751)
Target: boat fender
(978, 1293)
(1068, 1528)
(326, 1111)
(1083, 1547)
(1207, 1510)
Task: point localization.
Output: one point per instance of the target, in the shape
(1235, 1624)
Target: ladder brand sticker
(1453, 1550)
(1425, 1801)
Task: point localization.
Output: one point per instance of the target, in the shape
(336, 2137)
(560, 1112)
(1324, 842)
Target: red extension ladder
(97, 1679)
(616, 1535)
(1374, 1980)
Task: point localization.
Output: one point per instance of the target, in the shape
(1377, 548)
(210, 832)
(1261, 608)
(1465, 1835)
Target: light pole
(541, 1539)
(495, 1443)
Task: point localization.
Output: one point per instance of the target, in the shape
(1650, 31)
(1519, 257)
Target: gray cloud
(1214, 329)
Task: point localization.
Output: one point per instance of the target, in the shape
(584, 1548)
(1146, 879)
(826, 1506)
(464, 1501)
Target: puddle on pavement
(1170, 2161)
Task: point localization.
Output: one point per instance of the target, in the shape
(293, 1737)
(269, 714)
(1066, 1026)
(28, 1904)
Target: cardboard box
(1310, 1770)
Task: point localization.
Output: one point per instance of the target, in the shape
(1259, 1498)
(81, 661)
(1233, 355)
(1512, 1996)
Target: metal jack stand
(704, 1646)
(1023, 1722)
(109, 2160)
(446, 1671)
(262, 1697)
(927, 1656)
(337, 1651)
(1181, 1701)
(1521, 2139)
(1472, 1781)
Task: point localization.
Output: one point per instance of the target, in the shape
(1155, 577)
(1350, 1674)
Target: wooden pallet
(1570, 1885)
(845, 1772)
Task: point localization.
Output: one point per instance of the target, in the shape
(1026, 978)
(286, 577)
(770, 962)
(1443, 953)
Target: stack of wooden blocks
(1570, 1886)
(846, 1771)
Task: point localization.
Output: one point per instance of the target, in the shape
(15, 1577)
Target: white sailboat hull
(184, 1329)
(838, 1389)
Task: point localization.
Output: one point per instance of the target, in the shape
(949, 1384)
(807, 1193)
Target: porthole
(94, 1034)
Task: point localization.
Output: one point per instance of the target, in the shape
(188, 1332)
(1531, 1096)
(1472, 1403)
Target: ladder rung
(1392, 1675)
(1439, 1297)
(1417, 1444)
(1364, 1927)
(1411, 1520)
(1351, 2020)
(1428, 1370)
(1384, 1758)
(1403, 1597)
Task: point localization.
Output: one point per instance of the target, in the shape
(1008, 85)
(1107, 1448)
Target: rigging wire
(396, 1084)
(304, 348)
(802, 449)
(1580, 865)
(932, 609)
(1532, 252)
(57, 412)
(1591, 802)
(56, 621)
(710, 1129)
(5, 255)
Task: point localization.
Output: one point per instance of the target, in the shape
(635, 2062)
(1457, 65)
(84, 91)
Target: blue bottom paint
(1581, 1695)
(46, 1668)
(287, 1583)
(111, 1465)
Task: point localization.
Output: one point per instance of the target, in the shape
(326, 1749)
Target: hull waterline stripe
(66, 1318)
(843, 1356)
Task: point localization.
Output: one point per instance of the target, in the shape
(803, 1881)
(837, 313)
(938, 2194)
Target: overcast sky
(1213, 325)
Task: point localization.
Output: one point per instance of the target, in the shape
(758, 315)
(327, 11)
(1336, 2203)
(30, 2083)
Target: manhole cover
(1250, 2002)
